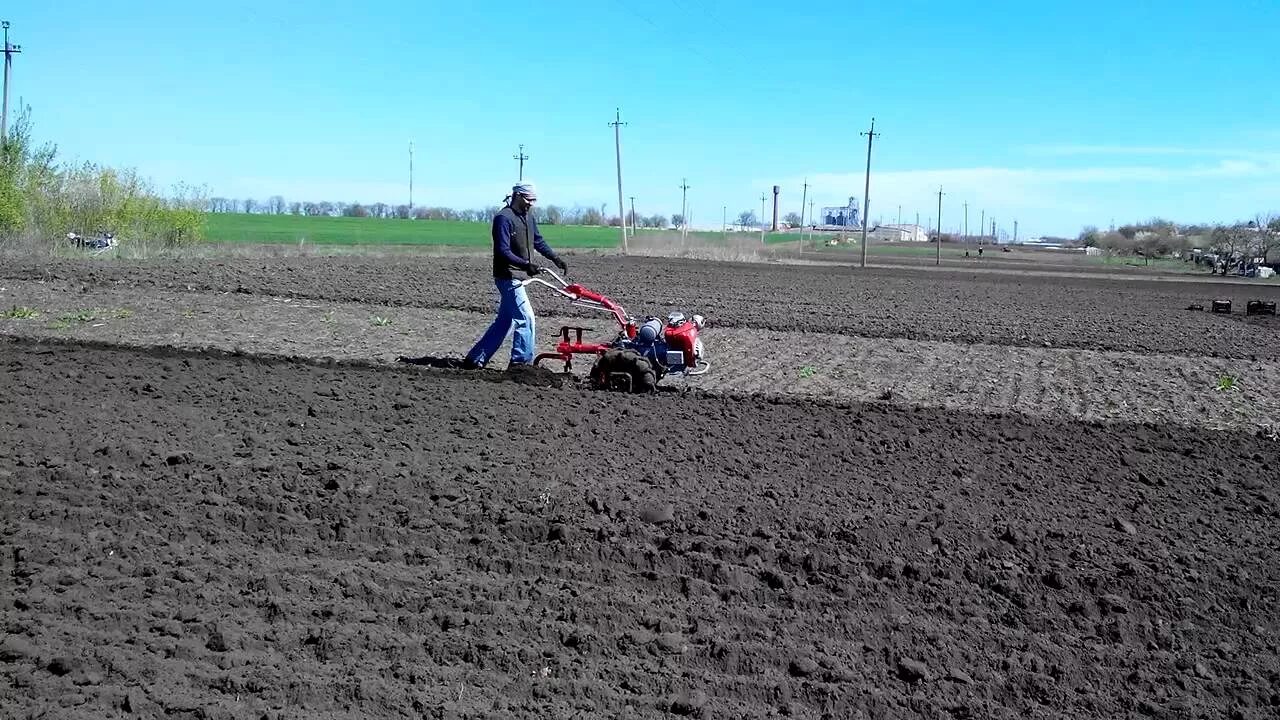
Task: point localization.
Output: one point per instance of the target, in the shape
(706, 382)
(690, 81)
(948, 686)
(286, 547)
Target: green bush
(42, 201)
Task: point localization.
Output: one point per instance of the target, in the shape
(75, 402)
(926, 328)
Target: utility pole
(804, 198)
(410, 179)
(521, 157)
(1015, 232)
(617, 146)
(724, 221)
(938, 245)
(899, 216)
(994, 239)
(982, 226)
(762, 199)
(684, 209)
(966, 224)
(811, 218)
(633, 216)
(866, 191)
(9, 52)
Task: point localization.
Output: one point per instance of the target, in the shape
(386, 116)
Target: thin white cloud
(1133, 150)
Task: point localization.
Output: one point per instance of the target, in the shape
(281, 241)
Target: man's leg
(522, 345)
(484, 349)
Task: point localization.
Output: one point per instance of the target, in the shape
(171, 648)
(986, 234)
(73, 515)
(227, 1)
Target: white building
(901, 233)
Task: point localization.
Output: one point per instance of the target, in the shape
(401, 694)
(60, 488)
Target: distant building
(839, 217)
(901, 233)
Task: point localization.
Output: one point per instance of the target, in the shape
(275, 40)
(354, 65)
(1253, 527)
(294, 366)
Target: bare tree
(792, 219)
(295, 208)
(747, 217)
(1268, 235)
(250, 205)
(677, 220)
(275, 205)
(1230, 241)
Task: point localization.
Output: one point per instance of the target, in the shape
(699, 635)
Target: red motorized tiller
(642, 353)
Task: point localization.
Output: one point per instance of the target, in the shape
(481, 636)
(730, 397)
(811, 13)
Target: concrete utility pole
(724, 221)
(633, 216)
(994, 239)
(9, 52)
(804, 198)
(521, 157)
(811, 218)
(938, 245)
(617, 146)
(966, 223)
(982, 226)
(684, 209)
(1015, 232)
(899, 216)
(866, 191)
(411, 179)
(774, 224)
(762, 199)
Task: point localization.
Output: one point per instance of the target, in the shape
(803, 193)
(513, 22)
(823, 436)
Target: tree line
(547, 215)
(1259, 237)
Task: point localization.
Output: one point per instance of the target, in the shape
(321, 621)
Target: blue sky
(1056, 114)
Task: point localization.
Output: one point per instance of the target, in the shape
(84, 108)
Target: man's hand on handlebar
(533, 269)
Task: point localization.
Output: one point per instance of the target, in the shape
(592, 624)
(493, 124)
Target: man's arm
(502, 242)
(540, 244)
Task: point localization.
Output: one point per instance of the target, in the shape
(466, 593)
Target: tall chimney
(775, 208)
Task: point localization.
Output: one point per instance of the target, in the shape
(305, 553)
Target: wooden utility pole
(617, 146)
(866, 190)
(938, 245)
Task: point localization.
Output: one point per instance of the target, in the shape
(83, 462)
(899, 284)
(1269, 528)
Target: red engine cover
(682, 338)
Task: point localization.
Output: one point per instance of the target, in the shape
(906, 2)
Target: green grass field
(277, 229)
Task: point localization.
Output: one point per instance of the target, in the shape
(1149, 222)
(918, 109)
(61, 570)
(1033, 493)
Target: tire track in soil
(1033, 381)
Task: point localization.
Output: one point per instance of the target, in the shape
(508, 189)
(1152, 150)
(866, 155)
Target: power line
(617, 145)
(866, 190)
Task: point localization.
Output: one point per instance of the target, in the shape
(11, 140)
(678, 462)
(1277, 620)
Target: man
(515, 237)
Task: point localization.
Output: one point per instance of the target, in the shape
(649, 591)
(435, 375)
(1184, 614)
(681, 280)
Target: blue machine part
(651, 344)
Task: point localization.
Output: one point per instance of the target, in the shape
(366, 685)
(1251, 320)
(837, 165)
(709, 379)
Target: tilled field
(204, 536)
(210, 533)
(1101, 312)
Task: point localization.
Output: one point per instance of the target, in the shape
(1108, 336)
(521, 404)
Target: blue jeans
(514, 312)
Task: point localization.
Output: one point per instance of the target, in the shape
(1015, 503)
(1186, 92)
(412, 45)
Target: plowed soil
(1099, 312)
(214, 534)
